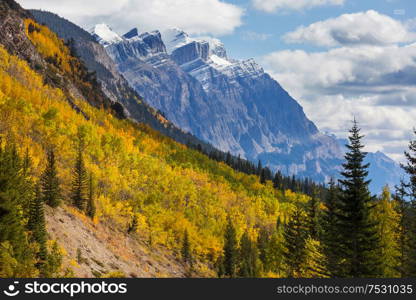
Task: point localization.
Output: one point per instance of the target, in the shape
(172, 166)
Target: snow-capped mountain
(232, 104)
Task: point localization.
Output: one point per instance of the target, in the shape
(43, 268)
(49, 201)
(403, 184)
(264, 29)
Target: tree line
(346, 233)
(24, 247)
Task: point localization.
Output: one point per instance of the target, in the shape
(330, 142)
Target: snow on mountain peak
(105, 35)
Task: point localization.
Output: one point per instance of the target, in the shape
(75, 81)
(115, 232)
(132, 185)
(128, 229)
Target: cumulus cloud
(373, 81)
(364, 28)
(285, 5)
(214, 17)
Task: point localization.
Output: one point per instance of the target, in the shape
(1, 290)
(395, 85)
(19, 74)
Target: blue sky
(276, 24)
(339, 59)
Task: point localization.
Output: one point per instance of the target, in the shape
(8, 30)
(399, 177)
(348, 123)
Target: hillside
(139, 174)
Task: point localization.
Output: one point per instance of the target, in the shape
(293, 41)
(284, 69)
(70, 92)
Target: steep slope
(140, 175)
(232, 104)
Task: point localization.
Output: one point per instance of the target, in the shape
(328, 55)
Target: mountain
(126, 100)
(234, 105)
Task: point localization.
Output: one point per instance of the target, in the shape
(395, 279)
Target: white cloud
(364, 28)
(196, 17)
(373, 83)
(285, 5)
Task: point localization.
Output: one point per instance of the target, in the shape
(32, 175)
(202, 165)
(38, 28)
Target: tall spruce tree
(80, 177)
(186, 249)
(91, 209)
(15, 196)
(36, 224)
(409, 190)
(50, 183)
(295, 235)
(229, 260)
(313, 214)
(356, 227)
(249, 265)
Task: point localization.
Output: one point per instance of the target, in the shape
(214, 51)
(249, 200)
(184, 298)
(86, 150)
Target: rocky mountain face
(234, 105)
(112, 83)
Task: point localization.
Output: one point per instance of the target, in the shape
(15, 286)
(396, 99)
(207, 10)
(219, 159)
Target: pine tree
(295, 235)
(230, 250)
(313, 215)
(50, 183)
(330, 236)
(91, 209)
(359, 232)
(186, 249)
(15, 196)
(36, 224)
(80, 177)
(410, 230)
(249, 266)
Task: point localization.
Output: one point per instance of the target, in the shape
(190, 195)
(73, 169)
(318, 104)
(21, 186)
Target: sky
(339, 58)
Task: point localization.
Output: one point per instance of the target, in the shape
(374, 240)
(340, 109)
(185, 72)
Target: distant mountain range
(233, 105)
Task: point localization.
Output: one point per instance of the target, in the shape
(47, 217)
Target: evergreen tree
(186, 249)
(50, 183)
(133, 225)
(80, 177)
(15, 196)
(295, 235)
(356, 227)
(330, 236)
(91, 209)
(249, 266)
(313, 215)
(36, 224)
(230, 250)
(410, 192)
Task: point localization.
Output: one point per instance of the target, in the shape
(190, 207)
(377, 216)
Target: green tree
(330, 236)
(313, 214)
(91, 209)
(36, 224)
(249, 261)
(186, 249)
(133, 226)
(230, 250)
(409, 190)
(360, 240)
(80, 176)
(50, 183)
(16, 254)
(295, 235)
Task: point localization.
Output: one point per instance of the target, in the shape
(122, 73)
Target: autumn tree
(388, 219)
